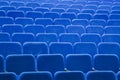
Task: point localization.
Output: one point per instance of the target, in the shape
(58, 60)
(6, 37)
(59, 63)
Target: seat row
(58, 21)
(64, 48)
(62, 75)
(63, 37)
(56, 62)
(46, 4)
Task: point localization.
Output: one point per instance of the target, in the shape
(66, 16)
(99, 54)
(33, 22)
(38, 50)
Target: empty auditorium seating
(79, 62)
(35, 48)
(22, 63)
(55, 62)
(36, 76)
(72, 75)
(59, 39)
(106, 62)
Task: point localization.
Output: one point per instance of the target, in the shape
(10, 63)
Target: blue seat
(34, 29)
(7, 8)
(2, 63)
(47, 37)
(55, 62)
(115, 12)
(4, 3)
(91, 37)
(100, 11)
(116, 7)
(35, 76)
(64, 6)
(58, 10)
(34, 14)
(75, 29)
(83, 22)
(25, 8)
(66, 2)
(24, 21)
(108, 48)
(55, 29)
(12, 28)
(118, 75)
(44, 21)
(62, 21)
(87, 16)
(48, 5)
(35, 48)
(114, 16)
(17, 3)
(63, 48)
(33, 4)
(94, 2)
(69, 15)
(22, 63)
(52, 15)
(72, 10)
(104, 7)
(85, 48)
(101, 16)
(94, 7)
(42, 9)
(2, 13)
(79, 62)
(6, 20)
(76, 6)
(23, 37)
(72, 75)
(7, 48)
(15, 14)
(101, 75)
(111, 38)
(4, 37)
(106, 62)
(113, 22)
(69, 37)
(88, 11)
(8, 76)
(99, 22)
(95, 29)
(112, 30)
